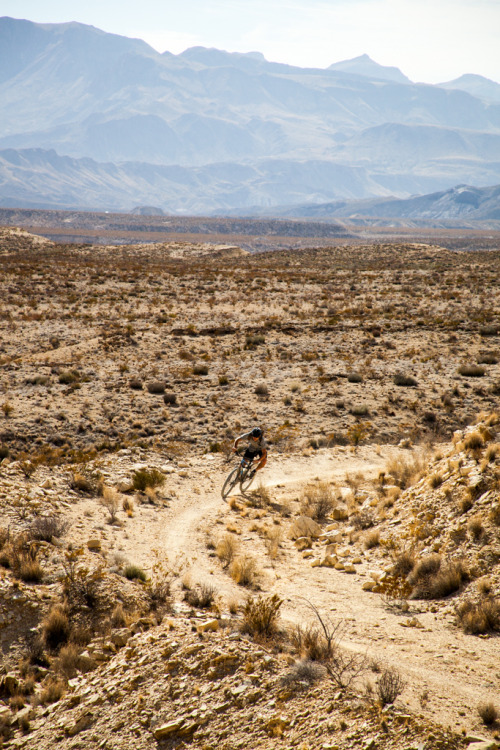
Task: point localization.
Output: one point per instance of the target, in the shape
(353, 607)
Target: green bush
(144, 478)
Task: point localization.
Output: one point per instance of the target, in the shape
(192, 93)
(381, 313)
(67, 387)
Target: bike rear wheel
(231, 482)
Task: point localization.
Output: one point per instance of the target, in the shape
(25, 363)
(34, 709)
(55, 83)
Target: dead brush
(21, 555)
(479, 617)
(273, 538)
(303, 674)
(226, 549)
(110, 500)
(201, 596)
(407, 472)
(430, 579)
(390, 685)
(56, 628)
(488, 713)
(318, 502)
(321, 643)
(260, 615)
(260, 497)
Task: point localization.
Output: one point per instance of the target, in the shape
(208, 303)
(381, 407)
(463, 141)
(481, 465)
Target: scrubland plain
(350, 598)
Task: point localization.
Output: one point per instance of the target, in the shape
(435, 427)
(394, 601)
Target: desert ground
(350, 597)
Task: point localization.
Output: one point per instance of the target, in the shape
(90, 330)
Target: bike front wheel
(231, 482)
(247, 478)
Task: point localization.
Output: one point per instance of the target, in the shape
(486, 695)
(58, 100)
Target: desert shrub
(494, 514)
(318, 501)
(404, 380)
(479, 617)
(476, 528)
(390, 685)
(4, 451)
(362, 520)
(260, 496)
(407, 471)
(303, 674)
(201, 596)
(243, 570)
(404, 563)
(134, 573)
(435, 480)
(372, 539)
(144, 478)
(118, 618)
(262, 391)
(474, 441)
(170, 399)
(491, 329)
(487, 358)
(260, 615)
(359, 410)
(354, 377)
(155, 387)
(81, 586)
(223, 380)
(70, 661)
(430, 579)
(53, 690)
(56, 628)
(471, 371)
(46, 528)
(226, 549)
(492, 452)
(200, 369)
(111, 501)
(310, 642)
(20, 554)
(68, 377)
(254, 340)
(82, 483)
(135, 384)
(488, 713)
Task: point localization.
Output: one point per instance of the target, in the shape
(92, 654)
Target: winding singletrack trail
(446, 671)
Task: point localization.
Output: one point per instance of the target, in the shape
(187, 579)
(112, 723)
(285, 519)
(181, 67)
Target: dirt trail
(448, 673)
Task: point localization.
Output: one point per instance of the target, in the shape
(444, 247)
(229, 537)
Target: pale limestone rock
(303, 542)
(368, 585)
(340, 512)
(209, 625)
(316, 563)
(303, 526)
(94, 544)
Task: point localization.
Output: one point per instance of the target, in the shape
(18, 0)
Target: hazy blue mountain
(365, 66)
(276, 133)
(478, 86)
(462, 204)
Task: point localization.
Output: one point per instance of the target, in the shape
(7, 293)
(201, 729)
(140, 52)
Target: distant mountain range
(92, 120)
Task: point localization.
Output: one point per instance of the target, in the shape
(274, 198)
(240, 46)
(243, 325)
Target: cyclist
(256, 447)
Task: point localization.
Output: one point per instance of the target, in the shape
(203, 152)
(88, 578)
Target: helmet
(256, 432)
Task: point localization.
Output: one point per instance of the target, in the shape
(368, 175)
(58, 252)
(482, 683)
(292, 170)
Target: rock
(307, 553)
(125, 486)
(349, 568)
(303, 526)
(340, 512)
(168, 730)
(83, 722)
(94, 545)
(120, 637)
(23, 716)
(316, 563)
(368, 586)
(5, 716)
(329, 561)
(303, 542)
(209, 625)
(484, 745)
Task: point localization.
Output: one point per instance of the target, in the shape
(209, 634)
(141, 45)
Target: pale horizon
(429, 41)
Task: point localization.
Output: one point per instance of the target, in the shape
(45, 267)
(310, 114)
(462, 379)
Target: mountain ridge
(85, 94)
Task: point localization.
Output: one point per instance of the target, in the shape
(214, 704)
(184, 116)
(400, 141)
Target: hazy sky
(429, 40)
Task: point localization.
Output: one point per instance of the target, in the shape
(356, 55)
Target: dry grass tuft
(479, 617)
(243, 570)
(317, 501)
(260, 615)
(226, 549)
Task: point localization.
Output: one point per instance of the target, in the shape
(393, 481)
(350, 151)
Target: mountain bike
(243, 474)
